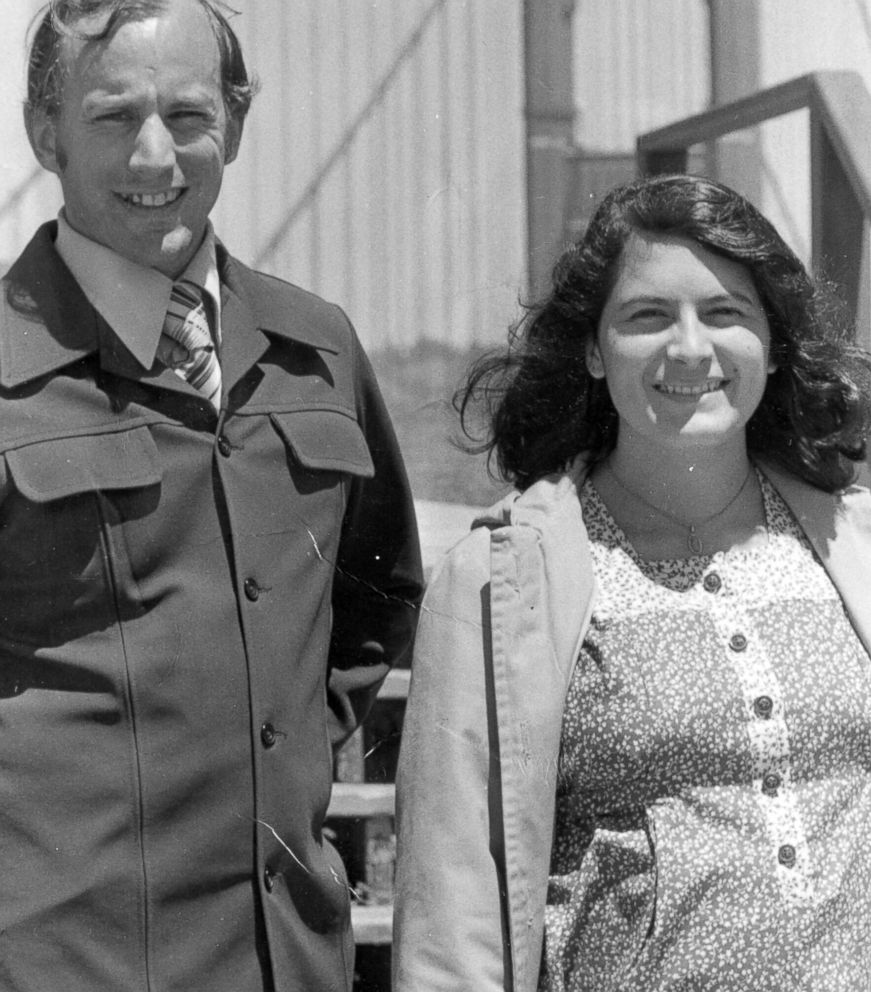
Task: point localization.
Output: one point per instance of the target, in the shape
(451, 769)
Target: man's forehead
(178, 29)
(99, 28)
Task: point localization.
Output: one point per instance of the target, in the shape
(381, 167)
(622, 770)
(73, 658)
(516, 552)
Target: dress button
(268, 736)
(737, 642)
(712, 582)
(224, 446)
(252, 590)
(786, 855)
(268, 880)
(771, 783)
(763, 706)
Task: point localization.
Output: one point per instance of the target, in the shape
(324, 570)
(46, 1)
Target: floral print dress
(713, 827)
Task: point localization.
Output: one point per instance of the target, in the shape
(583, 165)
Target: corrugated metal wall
(382, 165)
(39, 199)
(384, 161)
(639, 64)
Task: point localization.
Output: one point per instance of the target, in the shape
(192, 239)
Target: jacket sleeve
(378, 579)
(449, 927)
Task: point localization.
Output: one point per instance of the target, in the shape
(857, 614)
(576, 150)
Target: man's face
(142, 136)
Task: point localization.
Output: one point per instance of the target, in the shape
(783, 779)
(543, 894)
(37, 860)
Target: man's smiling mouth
(161, 199)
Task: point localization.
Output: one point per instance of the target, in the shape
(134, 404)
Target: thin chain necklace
(694, 542)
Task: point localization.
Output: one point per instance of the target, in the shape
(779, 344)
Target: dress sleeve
(449, 929)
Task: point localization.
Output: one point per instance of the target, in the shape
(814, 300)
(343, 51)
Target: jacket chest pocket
(63, 496)
(325, 440)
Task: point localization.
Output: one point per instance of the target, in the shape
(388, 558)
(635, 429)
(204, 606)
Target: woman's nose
(690, 341)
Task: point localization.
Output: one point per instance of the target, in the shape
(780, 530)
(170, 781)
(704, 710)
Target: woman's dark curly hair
(542, 407)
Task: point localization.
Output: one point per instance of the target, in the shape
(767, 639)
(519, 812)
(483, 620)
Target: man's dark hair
(541, 407)
(61, 19)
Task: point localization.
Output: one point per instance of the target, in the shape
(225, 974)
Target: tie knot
(186, 345)
(184, 297)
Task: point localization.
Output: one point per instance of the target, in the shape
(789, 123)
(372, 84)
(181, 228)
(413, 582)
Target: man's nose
(690, 341)
(154, 150)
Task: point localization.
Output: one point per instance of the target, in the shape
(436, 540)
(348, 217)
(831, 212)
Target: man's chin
(176, 242)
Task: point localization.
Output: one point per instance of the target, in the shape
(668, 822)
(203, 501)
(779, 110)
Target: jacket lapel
(542, 591)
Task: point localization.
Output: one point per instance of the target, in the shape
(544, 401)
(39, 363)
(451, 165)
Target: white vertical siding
(639, 64)
(17, 164)
(384, 164)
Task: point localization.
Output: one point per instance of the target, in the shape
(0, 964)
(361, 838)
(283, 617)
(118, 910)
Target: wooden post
(550, 123)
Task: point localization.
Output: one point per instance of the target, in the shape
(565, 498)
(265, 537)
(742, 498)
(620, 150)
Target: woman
(637, 751)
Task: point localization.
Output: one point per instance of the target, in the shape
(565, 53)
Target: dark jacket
(193, 610)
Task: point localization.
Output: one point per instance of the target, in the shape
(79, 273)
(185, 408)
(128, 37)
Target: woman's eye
(725, 313)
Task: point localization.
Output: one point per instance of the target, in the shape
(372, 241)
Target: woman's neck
(691, 483)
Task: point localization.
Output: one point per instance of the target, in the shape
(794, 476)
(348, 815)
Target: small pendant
(694, 541)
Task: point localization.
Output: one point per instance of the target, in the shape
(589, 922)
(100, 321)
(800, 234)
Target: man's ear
(42, 132)
(595, 365)
(232, 138)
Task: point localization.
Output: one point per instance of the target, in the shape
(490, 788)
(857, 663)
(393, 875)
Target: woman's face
(683, 344)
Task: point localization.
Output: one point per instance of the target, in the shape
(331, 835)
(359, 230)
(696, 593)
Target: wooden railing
(840, 161)
(367, 809)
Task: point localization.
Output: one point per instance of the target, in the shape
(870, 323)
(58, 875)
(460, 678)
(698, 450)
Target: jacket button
(763, 706)
(224, 446)
(712, 582)
(738, 642)
(268, 735)
(252, 590)
(268, 880)
(786, 855)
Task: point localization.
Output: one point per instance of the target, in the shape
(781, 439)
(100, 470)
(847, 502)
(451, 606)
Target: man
(207, 549)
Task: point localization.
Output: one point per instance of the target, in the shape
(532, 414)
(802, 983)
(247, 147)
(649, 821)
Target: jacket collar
(266, 299)
(47, 323)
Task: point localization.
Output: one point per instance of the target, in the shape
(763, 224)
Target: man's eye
(194, 116)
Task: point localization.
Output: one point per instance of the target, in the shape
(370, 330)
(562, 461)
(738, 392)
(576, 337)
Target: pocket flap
(61, 467)
(327, 440)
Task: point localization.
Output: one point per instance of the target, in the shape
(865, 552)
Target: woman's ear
(594, 359)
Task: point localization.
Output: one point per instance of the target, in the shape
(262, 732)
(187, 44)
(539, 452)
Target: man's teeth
(153, 199)
(708, 387)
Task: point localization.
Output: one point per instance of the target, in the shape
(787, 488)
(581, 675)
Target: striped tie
(187, 325)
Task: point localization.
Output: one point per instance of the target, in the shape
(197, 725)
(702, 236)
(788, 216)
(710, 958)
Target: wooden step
(361, 799)
(395, 686)
(372, 924)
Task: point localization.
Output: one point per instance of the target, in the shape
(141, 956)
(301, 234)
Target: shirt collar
(132, 298)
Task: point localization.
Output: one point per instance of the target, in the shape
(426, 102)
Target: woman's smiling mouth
(685, 389)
